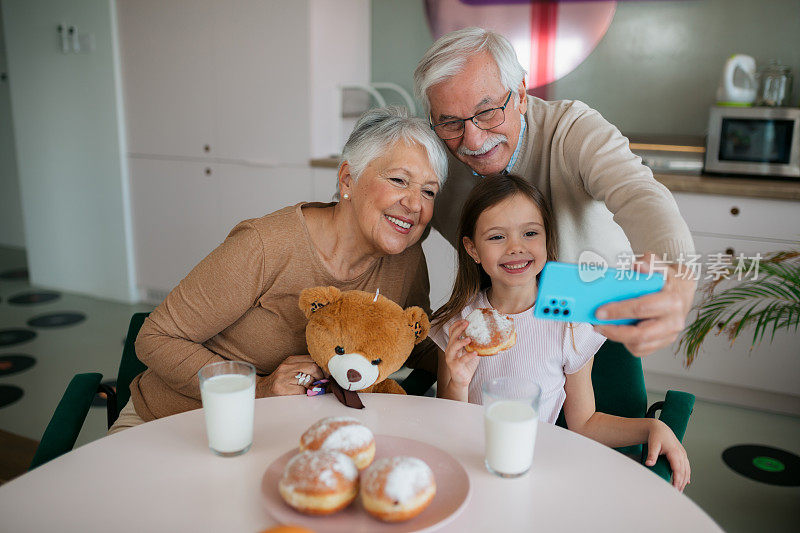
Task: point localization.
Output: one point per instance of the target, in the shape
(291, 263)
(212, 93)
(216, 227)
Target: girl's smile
(516, 267)
(510, 242)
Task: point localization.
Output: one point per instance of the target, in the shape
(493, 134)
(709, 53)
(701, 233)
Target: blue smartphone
(573, 293)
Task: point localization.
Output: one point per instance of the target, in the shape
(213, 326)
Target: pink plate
(452, 493)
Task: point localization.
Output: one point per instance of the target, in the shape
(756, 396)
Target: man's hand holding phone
(661, 315)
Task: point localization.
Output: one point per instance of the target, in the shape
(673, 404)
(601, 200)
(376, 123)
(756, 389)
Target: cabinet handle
(729, 251)
(208, 171)
(734, 211)
(206, 148)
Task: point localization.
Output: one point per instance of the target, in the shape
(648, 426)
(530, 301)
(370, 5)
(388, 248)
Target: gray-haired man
(604, 200)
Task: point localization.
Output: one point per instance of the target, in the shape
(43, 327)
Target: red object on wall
(551, 37)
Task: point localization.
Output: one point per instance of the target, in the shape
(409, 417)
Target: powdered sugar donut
(394, 489)
(319, 482)
(491, 332)
(342, 434)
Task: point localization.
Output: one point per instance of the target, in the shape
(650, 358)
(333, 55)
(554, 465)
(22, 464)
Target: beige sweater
(603, 198)
(241, 303)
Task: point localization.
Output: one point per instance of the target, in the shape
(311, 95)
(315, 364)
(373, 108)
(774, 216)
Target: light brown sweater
(240, 303)
(603, 198)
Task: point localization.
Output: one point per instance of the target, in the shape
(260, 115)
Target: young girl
(508, 234)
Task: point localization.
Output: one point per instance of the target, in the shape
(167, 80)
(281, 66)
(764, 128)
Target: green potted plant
(769, 302)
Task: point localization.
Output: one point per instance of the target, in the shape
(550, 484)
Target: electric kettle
(738, 85)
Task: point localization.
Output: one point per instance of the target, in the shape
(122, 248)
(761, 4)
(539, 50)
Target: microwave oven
(757, 141)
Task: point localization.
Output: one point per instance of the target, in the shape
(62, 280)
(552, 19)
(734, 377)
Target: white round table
(161, 476)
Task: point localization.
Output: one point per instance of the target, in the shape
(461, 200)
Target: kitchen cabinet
(165, 51)
(175, 228)
(249, 192)
(219, 79)
(197, 205)
(758, 218)
(261, 77)
(734, 225)
(221, 99)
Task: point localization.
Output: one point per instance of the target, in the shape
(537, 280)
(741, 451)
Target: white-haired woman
(240, 302)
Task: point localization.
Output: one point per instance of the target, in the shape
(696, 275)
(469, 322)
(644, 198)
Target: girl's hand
(662, 441)
(283, 381)
(460, 362)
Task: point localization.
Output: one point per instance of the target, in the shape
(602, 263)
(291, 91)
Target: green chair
(618, 382)
(129, 368)
(65, 425)
(418, 382)
(61, 433)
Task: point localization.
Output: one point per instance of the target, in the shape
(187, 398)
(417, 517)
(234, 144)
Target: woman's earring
(477, 261)
(346, 196)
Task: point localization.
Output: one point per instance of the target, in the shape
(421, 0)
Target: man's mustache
(488, 144)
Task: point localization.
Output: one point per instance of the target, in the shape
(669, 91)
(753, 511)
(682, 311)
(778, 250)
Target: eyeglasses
(485, 120)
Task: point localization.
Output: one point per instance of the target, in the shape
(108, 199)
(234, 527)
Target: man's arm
(649, 216)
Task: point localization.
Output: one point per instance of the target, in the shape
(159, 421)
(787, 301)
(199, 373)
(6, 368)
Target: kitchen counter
(324, 162)
(688, 182)
(731, 186)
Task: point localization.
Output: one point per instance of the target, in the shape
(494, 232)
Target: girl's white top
(544, 352)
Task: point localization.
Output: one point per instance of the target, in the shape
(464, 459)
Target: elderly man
(603, 198)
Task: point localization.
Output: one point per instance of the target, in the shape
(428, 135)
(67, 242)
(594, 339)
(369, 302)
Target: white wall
(337, 58)
(67, 123)
(12, 232)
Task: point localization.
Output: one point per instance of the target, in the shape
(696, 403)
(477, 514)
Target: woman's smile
(401, 224)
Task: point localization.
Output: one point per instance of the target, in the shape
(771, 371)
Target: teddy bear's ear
(418, 322)
(316, 298)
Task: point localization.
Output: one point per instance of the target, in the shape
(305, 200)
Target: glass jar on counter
(774, 85)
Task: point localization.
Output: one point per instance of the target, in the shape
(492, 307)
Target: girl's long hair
(471, 278)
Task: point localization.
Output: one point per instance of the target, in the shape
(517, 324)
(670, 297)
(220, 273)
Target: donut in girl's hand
(342, 434)
(319, 482)
(394, 489)
(490, 331)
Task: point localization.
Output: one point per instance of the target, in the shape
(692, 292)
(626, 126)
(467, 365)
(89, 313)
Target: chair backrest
(129, 366)
(65, 425)
(618, 383)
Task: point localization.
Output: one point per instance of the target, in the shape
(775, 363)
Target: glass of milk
(510, 416)
(228, 390)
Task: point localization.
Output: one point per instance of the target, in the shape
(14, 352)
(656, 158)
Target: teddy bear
(359, 338)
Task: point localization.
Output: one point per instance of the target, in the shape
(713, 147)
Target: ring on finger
(302, 378)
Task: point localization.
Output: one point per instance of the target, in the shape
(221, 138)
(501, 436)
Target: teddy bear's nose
(353, 376)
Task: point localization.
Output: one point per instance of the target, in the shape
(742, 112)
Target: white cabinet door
(166, 54)
(744, 217)
(770, 366)
(261, 74)
(175, 219)
(249, 192)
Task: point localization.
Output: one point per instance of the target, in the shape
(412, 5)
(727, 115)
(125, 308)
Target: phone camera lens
(552, 302)
(566, 312)
(563, 303)
(546, 310)
(556, 311)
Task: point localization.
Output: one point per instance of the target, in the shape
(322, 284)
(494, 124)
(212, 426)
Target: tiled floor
(735, 502)
(94, 345)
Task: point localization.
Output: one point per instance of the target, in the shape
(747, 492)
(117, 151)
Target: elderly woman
(240, 302)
